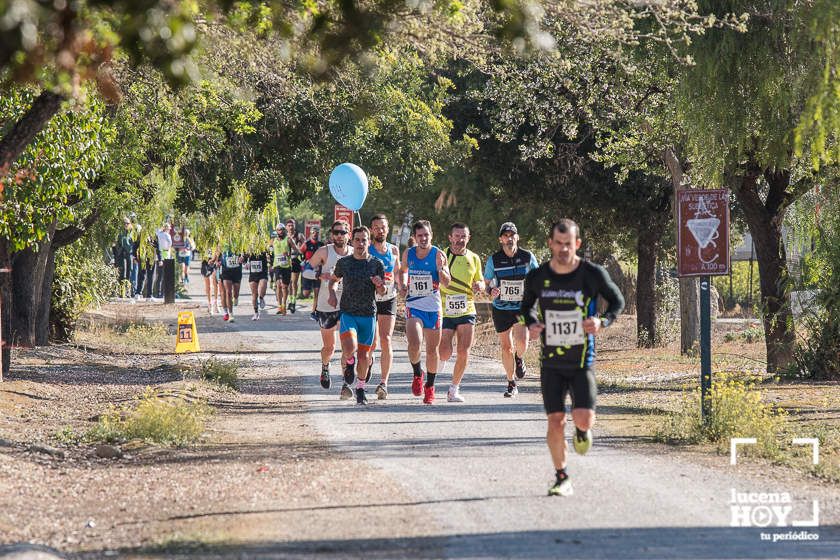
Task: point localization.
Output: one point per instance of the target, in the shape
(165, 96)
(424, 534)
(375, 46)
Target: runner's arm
(527, 309)
(443, 271)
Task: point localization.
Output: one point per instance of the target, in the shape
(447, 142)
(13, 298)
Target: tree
(741, 104)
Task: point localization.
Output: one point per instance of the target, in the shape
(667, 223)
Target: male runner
(257, 265)
(231, 279)
(427, 272)
(324, 261)
(567, 289)
(505, 272)
(291, 231)
(309, 282)
(282, 267)
(386, 304)
(363, 277)
(459, 305)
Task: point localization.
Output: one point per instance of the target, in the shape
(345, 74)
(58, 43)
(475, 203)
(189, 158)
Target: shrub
(167, 421)
(82, 279)
(223, 372)
(737, 410)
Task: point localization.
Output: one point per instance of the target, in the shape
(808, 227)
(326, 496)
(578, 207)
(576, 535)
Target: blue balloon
(349, 186)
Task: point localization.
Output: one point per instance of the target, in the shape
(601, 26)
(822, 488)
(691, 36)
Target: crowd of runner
(357, 277)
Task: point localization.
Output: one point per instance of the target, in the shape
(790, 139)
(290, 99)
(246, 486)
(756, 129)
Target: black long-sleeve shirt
(562, 302)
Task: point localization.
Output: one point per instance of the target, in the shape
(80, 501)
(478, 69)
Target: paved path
(477, 473)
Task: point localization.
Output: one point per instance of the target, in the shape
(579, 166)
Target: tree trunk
(28, 268)
(5, 306)
(647, 243)
(30, 124)
(764, 220)
(689, 287)
(62, 238)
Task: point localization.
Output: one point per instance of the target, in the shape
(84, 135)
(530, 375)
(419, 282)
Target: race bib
(563, 328)
(456, 304)
(420, 285)
(256, 266)
(511, 290)
(183, 253)
(282, 260)
(232, 262)
(390, 292)
(339, 289)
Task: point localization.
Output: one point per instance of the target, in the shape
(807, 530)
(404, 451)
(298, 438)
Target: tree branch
(72, 233)
(28, 126)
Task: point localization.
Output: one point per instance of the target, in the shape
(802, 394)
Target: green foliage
(749, 335)
(818, 347)
(223, 372)
(82, 280)
(741, 293)
(153, 418)
(55, 170)
(737, 410)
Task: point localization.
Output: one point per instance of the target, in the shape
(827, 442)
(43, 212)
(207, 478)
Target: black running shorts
(557, 383)
(283, 274)
(232, 274)
(387, 307)
(295, 264)
(328, 319)
(503, 319)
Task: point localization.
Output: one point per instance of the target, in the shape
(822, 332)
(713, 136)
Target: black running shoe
(520, 366)
(361, 398)
(325, 377)
(350, 373)
(292, 306)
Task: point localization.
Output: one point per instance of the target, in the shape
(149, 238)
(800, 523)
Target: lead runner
(566, 288)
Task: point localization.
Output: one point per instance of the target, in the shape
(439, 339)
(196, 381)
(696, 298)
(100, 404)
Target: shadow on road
(642, 543)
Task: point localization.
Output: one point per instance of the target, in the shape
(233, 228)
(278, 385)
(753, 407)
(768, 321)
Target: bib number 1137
(563, 328)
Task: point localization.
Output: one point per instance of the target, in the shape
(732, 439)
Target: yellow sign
(187, 338)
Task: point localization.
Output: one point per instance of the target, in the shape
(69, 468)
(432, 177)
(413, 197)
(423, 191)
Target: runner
(386, 304)
(282, 267)
(363, 277)
(505, 272)
(208, 272)
(324, 261)
(257, 264)
(566, 289)
(309, 279)
(427, 272)
(185, 256)
(231, 280)
(459, 305)
(294, 251)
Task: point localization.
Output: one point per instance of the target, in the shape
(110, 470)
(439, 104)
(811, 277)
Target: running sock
(430, 379)
(350, 361)
(561, 474)
(417, 371)
(360, 384)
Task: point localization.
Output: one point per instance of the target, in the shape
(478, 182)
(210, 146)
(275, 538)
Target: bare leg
(432, 337)
(464, 340)
(414, 334)
(327, 345)
(507, 352)
(385, 328)
(556, 439)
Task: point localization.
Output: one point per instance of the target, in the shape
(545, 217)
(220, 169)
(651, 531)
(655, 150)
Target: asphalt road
(477, 472)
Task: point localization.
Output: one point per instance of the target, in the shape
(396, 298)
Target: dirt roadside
(258, 460)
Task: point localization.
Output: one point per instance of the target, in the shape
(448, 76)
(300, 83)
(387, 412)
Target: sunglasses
(340, 232)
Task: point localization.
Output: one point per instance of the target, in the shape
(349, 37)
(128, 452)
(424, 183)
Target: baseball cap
(280, 226)
(507, 226)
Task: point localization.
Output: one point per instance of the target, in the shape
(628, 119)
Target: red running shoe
(417, 384)
(429, 395)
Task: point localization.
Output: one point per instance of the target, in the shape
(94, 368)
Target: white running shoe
(454, 394)
(210, 310)
(255, 316)
(231, 319)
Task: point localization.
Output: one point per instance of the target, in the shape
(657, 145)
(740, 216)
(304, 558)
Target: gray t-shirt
(357, 297)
